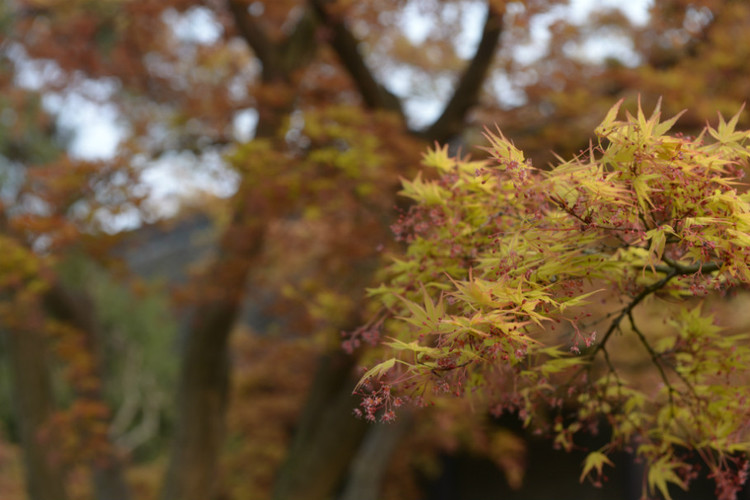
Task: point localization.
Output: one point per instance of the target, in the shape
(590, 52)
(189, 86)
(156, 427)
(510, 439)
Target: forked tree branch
(671, 270)
(615, 325)
(346, 46)
(466, 92)
(280, 59)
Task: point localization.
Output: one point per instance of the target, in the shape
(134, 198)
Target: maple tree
(497, 250)
(311, 207)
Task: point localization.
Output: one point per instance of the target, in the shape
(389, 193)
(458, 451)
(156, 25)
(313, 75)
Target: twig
(655, 358)
(627, 309)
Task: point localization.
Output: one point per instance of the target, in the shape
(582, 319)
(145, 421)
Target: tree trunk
(34, 404)
(205, 372)
(204, 375)
(109, 481)
(76, 309)
(328, 435)
(201, 407)
(368, 468)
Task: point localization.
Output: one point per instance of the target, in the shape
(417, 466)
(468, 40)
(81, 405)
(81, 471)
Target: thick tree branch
(33, 400)
(298, 49)
(466, 93)
(704, 267)
(279, 60)
(326, 428)
(346, 46)
(205, 372)
(257, 38)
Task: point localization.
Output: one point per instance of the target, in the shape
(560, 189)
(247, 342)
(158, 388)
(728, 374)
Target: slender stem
(655, 358)
(627, 309)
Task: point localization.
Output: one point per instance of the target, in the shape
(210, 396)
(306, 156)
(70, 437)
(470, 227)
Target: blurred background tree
(285, 125)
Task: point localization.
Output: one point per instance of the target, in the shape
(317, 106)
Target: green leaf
(561, 364)
(661, 474)
(658, 239)
(427, 319)
(438, 158)
(605, 127)
(666, 125)
(725, 132)
(415, 347)
(643, 190)
(376, 371)
(595, 460)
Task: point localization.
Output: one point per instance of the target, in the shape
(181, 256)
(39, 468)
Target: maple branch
(657, 360)
(466, 93)
(346, 46)
(610, 365)
(655, 357)
(629, 308)
(706, 267)
(671, 270)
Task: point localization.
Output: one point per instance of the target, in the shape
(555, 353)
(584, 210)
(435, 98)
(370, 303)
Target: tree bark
(109, 481)
(34, 404)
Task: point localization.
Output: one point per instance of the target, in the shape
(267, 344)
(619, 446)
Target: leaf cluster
(494, 297)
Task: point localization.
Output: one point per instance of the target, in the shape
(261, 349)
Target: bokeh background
(194, 196)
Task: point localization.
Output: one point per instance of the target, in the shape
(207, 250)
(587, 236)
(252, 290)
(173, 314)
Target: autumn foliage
(517, 280)
(577, 297)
